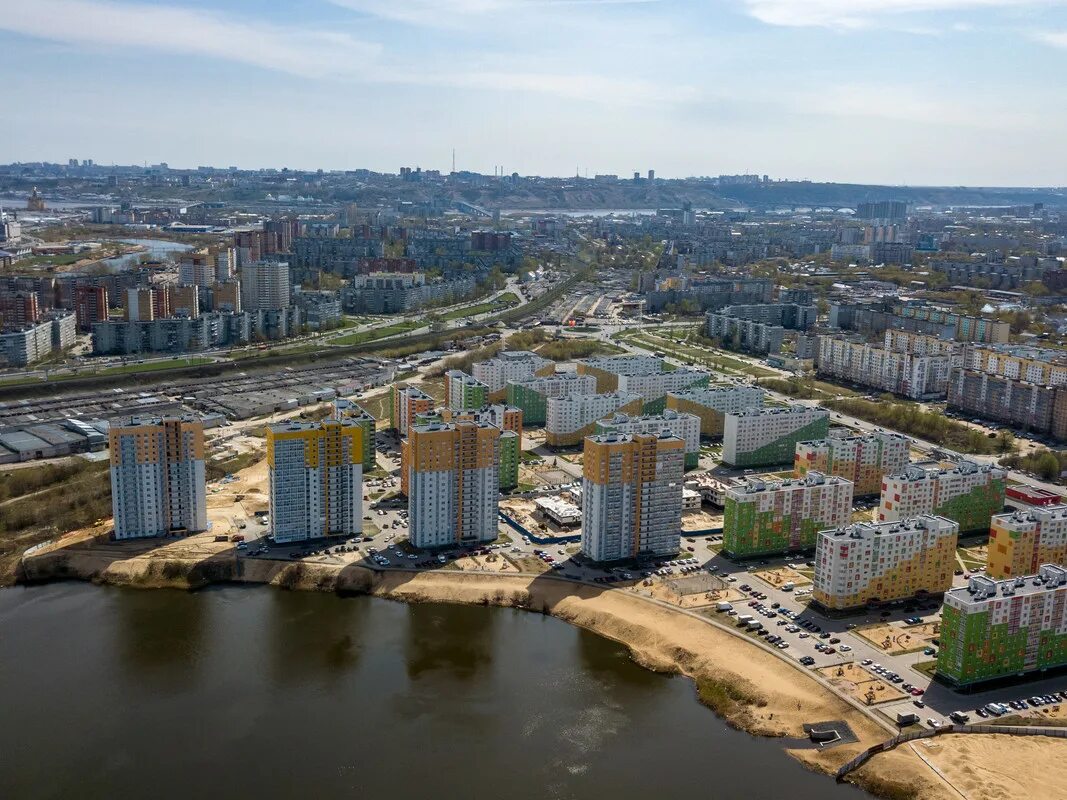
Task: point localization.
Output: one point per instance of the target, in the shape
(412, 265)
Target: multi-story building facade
(532, 395)
(853, 360)
(510, 366)
(761, 518)
(869, 563)
(568, 420)
(758, 328)
(762, 437)
(646, 376)
(453, 483)
(684, 426)
(995, 629)
(90, 305)
(394, 293)
(158, 479)
(196, 268)
(1041, 408)
(509, 420)
(265, 285)
(1022, 541)
(711, 404)
(1022, 363)
(405, 402)
(865, 459)
(315, 472)
(346, 409)
(632, 495)
(969, 494)
(958, 327)
(463, 391)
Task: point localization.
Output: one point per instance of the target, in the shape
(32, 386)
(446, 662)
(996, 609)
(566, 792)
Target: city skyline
(902, 91)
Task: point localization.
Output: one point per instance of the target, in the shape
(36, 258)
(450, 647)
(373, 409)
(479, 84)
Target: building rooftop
(1044, 514)
(812, 478)
(867, 530)
(772, 411)
(981, 589)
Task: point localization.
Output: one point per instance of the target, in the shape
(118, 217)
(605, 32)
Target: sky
(934, 92)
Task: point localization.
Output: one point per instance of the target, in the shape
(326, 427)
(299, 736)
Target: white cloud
(456, 13)
(1054, 38)
(853, 14)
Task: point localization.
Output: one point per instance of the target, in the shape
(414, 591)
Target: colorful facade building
(882, 562)
(532, 395)
(1023, 540)
(762, 518)
(510, 366)
(316, 479)
(463, 391)
(453, 483)
(995, 629)
(865, 460)
(711, 404)
(1039, 366)
(346, 409)
(158, 477)
(405, 402)
(632, 495)
(685, 426)
(568, 420)
(646, 376)
(969, 493)
(764, 437)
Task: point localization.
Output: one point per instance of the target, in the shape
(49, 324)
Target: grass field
(395, 329)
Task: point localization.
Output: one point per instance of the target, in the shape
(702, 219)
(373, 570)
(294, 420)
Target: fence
(903, 738)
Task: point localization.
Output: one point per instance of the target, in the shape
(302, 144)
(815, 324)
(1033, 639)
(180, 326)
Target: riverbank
(753, 690)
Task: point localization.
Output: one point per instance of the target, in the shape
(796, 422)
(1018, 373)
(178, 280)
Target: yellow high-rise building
(316, 479)
(1020, 542)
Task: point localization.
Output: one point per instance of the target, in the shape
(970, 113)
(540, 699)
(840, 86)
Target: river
(240, 692)
(157, 250)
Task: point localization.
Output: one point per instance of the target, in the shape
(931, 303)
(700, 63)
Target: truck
(722, 607)
(744, 619)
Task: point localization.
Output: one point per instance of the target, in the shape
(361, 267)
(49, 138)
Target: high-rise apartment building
(453, 483)
(994, 629)
(685, 426)
(346, 409)
(865, 459)
(226, 296)
(19, 309)
(1022, 541)
(90, 305)
(882, 562)
(196, 268)
(510, 366)
(762, 518)
(568, 420)
(225, 264)
(509, 420)
(632, 495)
(265, 286)
(969, 493)
(315, 471)
(763, 437)
(184, 301)
(463, 391)
(405, 403)
(158, 483)
(711, 404)
(142, 304)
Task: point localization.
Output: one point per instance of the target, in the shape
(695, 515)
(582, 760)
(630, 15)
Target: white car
(844, 648)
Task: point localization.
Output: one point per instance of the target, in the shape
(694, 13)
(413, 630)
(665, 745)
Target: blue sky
(896, 91)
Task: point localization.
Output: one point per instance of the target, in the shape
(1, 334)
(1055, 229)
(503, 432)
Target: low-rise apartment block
(764, 437)
(632, 495)
(532, 395)
(762, 518)
(158, 477)
(685, 426)
(1021, 541)
(315, 471)
(882, 562)
(453, 483)
(969, 494)
(711, 404)
(568, 420)
(865, 459)
(995, 629)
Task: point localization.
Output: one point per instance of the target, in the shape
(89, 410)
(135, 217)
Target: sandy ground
(699, 520)
(1001, 766)
(900, 639)
(776, 577)
(860, 684)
